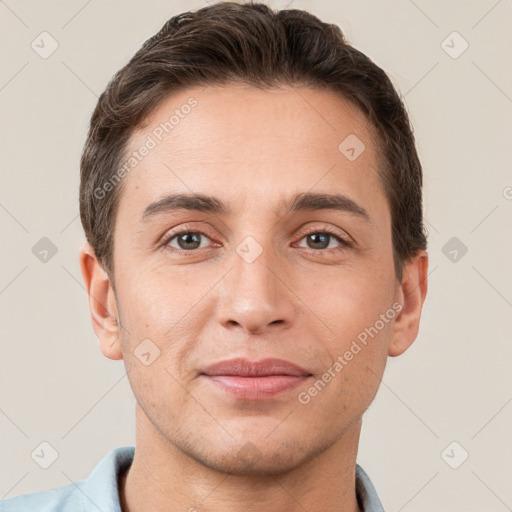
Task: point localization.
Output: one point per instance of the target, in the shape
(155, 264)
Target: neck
(161, 477)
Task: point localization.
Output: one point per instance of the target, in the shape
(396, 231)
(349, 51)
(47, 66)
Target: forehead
(250, 145)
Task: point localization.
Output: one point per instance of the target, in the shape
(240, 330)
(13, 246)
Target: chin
(256, 453)
(251, 461)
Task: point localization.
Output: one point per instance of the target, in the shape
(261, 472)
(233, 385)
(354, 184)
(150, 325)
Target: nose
(255, 297)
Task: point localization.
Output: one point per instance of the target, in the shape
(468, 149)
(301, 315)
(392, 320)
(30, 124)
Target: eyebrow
(311, 201)
(300, 203)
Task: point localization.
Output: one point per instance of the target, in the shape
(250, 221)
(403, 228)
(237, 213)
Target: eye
(186, 240)
(324, 240)
(316, 241)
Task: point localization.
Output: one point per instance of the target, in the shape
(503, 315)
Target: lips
(255, 380)
(244, 368)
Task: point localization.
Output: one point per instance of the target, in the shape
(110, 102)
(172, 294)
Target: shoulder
(66, 498)
(99, 491)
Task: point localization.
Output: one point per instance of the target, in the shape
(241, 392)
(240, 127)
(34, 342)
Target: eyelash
(344, 243)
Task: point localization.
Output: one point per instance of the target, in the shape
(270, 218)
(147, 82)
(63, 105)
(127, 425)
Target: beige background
(454, 384)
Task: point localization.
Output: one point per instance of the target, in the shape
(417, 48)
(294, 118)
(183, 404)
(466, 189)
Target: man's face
(259, 280)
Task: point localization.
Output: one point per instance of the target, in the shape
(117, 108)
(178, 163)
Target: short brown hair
(248, 43)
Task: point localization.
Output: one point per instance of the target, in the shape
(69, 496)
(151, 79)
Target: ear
(410, 294)
(102, 304)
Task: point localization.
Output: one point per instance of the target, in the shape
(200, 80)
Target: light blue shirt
(100, 491)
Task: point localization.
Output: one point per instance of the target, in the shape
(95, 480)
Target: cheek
(163, 315)
(157, 300)
(356, 321)
(346, 386)
(347, 300)
(157, 389)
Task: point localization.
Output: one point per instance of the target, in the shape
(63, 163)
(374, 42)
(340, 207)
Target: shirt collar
(102, 487)
(367, 496)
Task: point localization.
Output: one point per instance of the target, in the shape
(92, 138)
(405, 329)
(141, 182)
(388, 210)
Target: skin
(253, 150)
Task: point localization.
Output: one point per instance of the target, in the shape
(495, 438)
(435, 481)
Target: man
(251, 196)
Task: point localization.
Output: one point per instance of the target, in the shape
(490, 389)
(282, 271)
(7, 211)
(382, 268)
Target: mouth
(255, 380)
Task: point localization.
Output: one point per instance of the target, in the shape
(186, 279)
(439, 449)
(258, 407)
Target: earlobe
(411, 295)
(102, 305)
